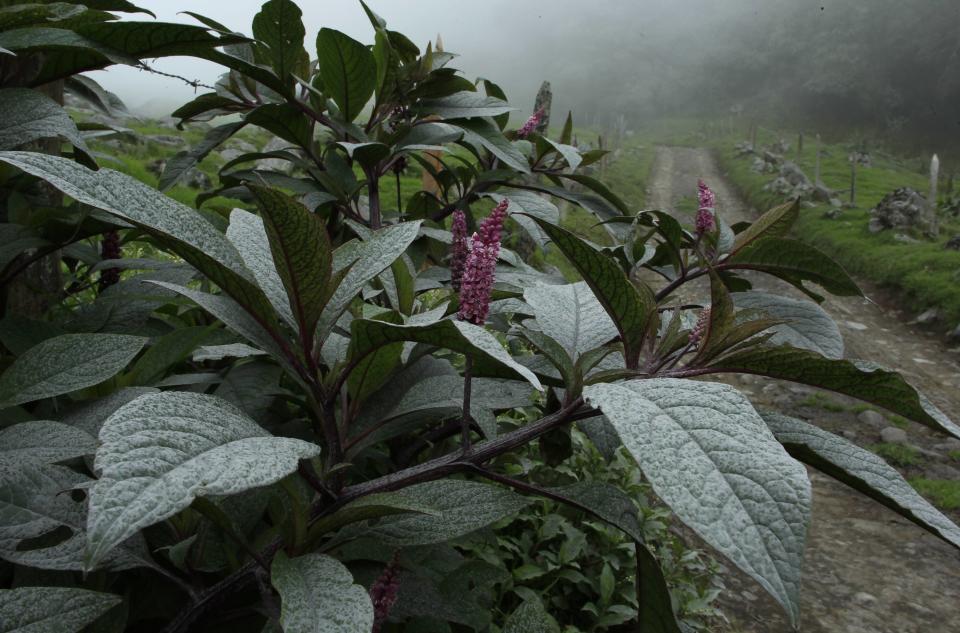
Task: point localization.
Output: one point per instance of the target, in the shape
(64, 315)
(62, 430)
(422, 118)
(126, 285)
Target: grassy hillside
(922, 272)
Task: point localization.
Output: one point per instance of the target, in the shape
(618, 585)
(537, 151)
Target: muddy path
(866, 570)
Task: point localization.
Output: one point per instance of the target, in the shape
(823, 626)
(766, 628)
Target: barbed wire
(195, 83)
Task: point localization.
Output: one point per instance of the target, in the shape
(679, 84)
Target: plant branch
(434, 469)
(465, 418)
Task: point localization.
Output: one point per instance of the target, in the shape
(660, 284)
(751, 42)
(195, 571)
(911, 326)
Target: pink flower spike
(531, 125)
(707, 199)
(703, 321)
(459, 249)
(477, 283)
(492, 226)
(706, 219)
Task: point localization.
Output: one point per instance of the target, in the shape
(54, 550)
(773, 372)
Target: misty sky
(493, 37)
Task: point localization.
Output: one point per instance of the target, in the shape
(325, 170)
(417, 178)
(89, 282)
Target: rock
(167, 140)
(832, 214)
(229, 154)
(929, 317)
(243, 146)
(955, 334)
(903, 237)
(949, 445)
(893, 435)
(276, 164)
(850, 435)
(953, 243)
(872, 419)
(864, 598)
(902, 208)
(942, 471)
(836, 202)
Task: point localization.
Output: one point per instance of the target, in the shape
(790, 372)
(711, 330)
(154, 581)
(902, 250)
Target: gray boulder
(901, 208)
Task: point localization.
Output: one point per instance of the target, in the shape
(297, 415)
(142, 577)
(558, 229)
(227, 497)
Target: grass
(897, 454)
(820, 401)
(924, 274)
(954, 455)
(945, 493)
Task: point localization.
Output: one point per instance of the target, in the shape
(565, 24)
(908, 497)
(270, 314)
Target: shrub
(290, 418)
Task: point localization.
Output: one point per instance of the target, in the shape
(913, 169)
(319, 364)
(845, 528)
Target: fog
(878, 64)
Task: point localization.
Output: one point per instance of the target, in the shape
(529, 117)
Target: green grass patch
(820, 401)
(944, 493)
(898, 421)
(954, 455)
(897, 454)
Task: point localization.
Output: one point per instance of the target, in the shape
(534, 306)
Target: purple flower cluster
(459, 250)
(383, 593)
(531, 125)
(476, 284)
(706, 220)
(696, 334)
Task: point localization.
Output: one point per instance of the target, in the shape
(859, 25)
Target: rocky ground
(866, 569)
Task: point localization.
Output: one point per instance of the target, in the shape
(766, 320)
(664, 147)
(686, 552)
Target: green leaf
(283, 120)
(301, 252)
(92, 46)
(182, 162)
(205, 107)
(710, 457)
(248, 234)
(183, 229)
(66, 363)
(235, 318)
(531, 617)
(566, 136)
(348, 71)
(630, 306)
(15, 239)
(857, 379)
(803, 324)
(279, 25)
(569, 153)
(571, 315)
(464, 105)
(794, 262)
(317, 593)
(373, 506)
(774, 223)
(861, 470)
(166, 352)
(489, 356)
(461, 507)
(656, 609)
(365, 259)
(52, 609)
(481, 133)
(493, 90)
(432, 397)
(42, 442)
(525, 203)
(30, 116)
(606, 502)
(161, 451)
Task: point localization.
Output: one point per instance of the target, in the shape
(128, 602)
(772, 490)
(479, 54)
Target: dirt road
(866, 570)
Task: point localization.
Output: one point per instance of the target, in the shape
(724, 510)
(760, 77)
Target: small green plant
(898, 454)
